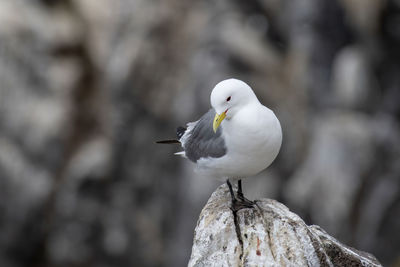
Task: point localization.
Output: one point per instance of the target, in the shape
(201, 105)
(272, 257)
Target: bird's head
(228, 97)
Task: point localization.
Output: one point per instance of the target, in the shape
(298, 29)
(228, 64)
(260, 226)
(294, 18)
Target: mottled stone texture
(268, 235)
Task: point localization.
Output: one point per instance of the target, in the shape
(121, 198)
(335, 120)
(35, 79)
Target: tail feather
(171, 141)
(180, 131)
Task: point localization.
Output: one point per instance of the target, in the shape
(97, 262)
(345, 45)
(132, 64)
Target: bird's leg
(241, 202)
(241, 197)
(231, 191)
(239, 191)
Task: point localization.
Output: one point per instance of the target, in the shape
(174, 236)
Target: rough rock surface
(269, 235)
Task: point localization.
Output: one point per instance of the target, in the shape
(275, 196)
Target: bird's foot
(241, 203)
(242, 198)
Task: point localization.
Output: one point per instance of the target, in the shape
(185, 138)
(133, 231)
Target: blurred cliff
(86, 86)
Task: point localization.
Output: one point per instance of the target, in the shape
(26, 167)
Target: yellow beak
(217, 120)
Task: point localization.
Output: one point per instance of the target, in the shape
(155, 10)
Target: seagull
(237, 138)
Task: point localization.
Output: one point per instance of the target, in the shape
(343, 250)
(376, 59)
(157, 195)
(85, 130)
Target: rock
(269, 235)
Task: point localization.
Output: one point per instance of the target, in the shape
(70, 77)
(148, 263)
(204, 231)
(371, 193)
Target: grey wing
(202, 142)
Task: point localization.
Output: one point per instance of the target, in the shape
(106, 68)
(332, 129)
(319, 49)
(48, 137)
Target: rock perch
(269, 235)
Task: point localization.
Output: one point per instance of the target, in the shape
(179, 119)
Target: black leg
(239, 191)
(231, 191)
(241, 202)
(240, 186)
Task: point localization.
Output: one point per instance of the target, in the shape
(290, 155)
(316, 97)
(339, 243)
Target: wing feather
(200, 141)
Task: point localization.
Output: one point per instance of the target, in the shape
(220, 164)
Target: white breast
(253, 138)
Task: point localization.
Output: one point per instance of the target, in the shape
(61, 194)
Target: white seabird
(238, 138)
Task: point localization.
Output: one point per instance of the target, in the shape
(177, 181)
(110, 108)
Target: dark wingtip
(180, 131)
(172, 141)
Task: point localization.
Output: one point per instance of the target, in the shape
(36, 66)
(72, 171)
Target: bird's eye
(228, 99)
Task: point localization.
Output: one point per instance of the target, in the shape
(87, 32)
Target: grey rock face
(269, 235)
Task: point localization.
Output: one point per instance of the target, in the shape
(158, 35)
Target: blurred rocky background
(87, 86)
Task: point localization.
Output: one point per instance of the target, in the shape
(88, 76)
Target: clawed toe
(242, 198)
(241, 203)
